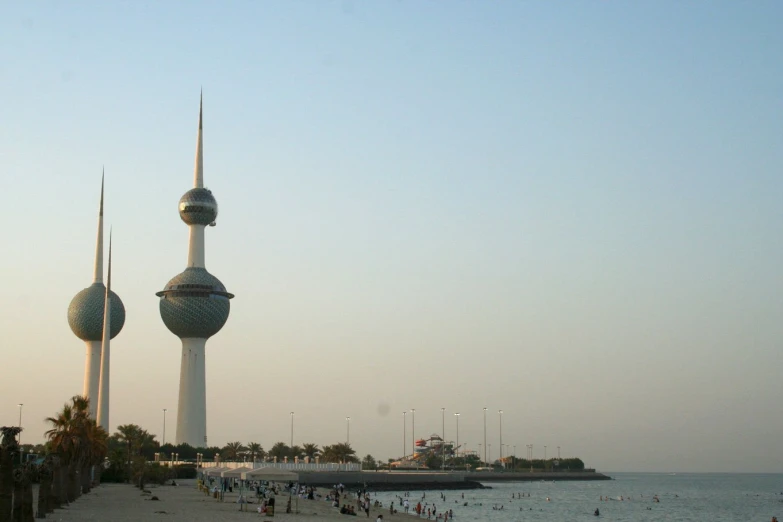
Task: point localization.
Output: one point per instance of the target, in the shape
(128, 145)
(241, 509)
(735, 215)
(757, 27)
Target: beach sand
(184, 503)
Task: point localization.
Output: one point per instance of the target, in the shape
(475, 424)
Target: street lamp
(292, 429)
(164, 427)
(490, 453)
(485, 436)
(457, 448)
(545, 455)
(21, 453)
(443, 437)
(500, 416)
(558, 453)
(348, 430)
(404, 433)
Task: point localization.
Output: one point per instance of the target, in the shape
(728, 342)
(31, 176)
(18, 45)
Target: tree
(255, 451)
(78, 441)
(9, 447)
(311, 450)
(45, 489)
(232, 451)
(433, 461)
(369, 462)
(136, 442)
(279, 451)
(340, 452)
(295, 451)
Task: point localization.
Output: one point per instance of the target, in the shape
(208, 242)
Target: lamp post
(485, 436)
(413, 429)
(21, 453)
(500, 416)
(457, 448)
(479, 451)
(292, 429)
(558, 453)
(490, 454)
(544, 454)
(404, 433)
(443, 437)
(413, 435)
(348, 430)
(164, 427)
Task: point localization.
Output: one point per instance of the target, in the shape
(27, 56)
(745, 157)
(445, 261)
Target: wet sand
(184, 503)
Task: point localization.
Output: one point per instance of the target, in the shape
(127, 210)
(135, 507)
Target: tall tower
(85, 317)
(194, 306)
(103, 388)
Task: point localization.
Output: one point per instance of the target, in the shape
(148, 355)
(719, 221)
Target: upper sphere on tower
(198, 207)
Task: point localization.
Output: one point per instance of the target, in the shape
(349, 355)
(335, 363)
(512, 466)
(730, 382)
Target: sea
(627, 497)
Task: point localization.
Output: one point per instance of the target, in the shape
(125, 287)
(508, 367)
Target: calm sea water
(683, 497)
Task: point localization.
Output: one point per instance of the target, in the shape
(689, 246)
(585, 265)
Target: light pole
(21, 453)
(413, 433)
(544, 454)
(404, 433)
(485, 436)
(490, 453)
(348, 430)
(500, 416)
(457, 448)
(164, 427)
(292, 429)
(443, 437)
(558, 453)
(479, 451)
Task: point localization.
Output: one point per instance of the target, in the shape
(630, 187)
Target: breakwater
(430, 480)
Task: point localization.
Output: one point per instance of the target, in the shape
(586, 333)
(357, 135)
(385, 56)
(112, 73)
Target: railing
(291, 466)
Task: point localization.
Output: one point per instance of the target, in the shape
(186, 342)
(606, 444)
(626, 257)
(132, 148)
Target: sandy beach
(184, 503)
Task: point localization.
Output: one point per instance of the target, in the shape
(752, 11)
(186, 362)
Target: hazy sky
(567, 210)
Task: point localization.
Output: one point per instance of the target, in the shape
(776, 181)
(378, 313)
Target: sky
(569, 211)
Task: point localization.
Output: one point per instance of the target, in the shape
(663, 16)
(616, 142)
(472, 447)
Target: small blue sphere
(198, 207)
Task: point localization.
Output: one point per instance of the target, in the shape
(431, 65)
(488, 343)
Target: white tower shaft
(103, 392)
(92, 364)
(192, 407)
(92, 375)
(98, 269)
(196, 247)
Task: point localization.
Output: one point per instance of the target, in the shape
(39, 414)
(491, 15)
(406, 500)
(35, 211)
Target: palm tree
(135, 440)
(9, 447)
(256, 451)
(23, 494)
(311, 450)
(78, 441)
(295, 451)
(232, 451)
(279, 450)
(340, 452)
(45, 489)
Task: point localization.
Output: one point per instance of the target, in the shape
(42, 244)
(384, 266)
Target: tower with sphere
(86, 319)
(194, 306)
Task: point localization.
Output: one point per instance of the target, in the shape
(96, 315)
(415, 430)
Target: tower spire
(98, 269)
(198, 174)
(103, 388)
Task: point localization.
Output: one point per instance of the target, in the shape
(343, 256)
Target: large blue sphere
(198, 207)
(85, 313)
(194, 304)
